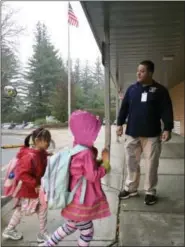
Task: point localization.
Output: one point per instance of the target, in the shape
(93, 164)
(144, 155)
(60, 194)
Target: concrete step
(173, 150)
(151, 229)
(159, 225)
(170, 190)
(167, 167)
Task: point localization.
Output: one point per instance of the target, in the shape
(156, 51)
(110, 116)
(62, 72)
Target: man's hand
(119, 130)
(166, 136)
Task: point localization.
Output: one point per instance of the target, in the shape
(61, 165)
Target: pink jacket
(82, 165)
(95, 204)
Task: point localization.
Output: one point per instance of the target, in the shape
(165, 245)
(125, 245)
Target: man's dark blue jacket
(144, 118)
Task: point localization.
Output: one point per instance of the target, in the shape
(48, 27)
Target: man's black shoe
(150, 199)
(125, 194)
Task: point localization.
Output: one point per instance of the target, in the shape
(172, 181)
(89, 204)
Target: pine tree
(77, 72)
(9, 76)
(98, 73)
(58, 102)
(10, 67)
(45, 70)
(89, 92)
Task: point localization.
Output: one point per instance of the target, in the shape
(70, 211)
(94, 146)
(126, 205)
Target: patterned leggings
(18, 214)
(86, 230)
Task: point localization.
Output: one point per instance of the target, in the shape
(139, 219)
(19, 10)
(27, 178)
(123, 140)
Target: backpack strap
(77, 149)
(47, 184)
(52, 183)
(82, 181)
(84, 186)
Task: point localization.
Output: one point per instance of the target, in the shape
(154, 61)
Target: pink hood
(84, 127)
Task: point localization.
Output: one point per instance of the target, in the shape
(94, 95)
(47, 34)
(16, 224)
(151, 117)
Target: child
(30, 169)
(85, 128)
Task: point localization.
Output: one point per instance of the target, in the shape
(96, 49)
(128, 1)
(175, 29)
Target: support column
(117, 85)
(165, 74)
(107, 76)
(117, 104)
(117, 110)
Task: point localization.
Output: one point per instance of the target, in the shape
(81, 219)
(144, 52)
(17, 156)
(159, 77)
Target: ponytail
(39, 133)
(27, 141)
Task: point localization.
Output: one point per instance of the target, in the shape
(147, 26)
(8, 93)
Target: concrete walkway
(163, 223)
(131, 223)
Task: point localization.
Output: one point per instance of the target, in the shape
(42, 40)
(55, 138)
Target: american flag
(72, 19)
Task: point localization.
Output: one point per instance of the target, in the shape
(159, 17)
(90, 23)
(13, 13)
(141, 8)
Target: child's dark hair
(40, 133)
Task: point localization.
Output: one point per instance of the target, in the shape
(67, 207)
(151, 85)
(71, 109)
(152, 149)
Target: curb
(6, 210)
(5, 200)
(23, 132)
(16, 133)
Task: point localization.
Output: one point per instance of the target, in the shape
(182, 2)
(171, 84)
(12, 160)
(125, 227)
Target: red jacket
(30, 170)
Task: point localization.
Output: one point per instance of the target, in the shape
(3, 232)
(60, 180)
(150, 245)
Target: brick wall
(177, 96)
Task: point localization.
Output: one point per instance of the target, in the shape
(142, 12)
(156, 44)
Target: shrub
(40, 121)
(55, 125)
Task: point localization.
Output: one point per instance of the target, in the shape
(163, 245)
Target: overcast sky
(54, 15)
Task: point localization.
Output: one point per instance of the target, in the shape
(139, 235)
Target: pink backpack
(11, 185)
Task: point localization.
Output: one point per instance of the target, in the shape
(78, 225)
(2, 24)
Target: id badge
(143, 97)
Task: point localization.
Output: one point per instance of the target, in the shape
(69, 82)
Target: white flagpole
(69, 73)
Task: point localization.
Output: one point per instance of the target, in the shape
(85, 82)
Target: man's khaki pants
(151, 149)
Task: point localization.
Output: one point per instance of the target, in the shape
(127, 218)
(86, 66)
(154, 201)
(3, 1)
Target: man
(145, 104)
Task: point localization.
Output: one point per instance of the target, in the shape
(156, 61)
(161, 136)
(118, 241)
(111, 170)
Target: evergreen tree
(9, 69)
(45, 70)
(77, 72)
(58, 102)
(98, 73)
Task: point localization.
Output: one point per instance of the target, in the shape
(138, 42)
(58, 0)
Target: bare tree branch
(9, 29)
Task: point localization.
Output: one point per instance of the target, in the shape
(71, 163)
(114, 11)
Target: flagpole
(69, 75)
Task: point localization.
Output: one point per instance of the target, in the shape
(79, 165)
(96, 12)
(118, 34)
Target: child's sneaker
(43, 237)
(12, 234)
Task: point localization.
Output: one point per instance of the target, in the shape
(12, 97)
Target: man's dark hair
(149, 65)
